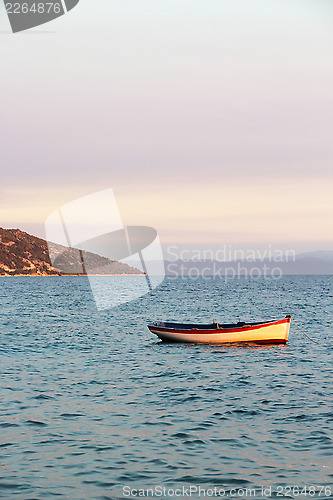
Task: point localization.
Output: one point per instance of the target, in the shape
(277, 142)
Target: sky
(211, 120)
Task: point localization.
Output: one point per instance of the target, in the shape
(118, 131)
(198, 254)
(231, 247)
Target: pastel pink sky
(211, 120)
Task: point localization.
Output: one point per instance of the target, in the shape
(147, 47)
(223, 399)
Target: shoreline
(64, 275)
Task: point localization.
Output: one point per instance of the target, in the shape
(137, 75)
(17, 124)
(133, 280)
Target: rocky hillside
(24, 254)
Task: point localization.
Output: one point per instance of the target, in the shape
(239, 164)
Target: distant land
(308, 263)
(22, 254)
(315, 263)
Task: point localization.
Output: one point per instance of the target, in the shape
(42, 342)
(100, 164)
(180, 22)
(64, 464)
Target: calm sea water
(92, 403)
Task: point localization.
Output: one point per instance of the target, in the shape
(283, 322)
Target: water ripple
(91, 402)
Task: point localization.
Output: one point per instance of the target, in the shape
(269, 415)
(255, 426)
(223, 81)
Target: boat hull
(274, 332)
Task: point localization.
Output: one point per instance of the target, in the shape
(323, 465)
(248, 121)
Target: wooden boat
(264, 332)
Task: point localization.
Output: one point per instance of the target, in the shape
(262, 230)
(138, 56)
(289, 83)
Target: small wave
(71, 415)
(42, 396)
(13, 486)
(211, 479)
(101, 484)
(5, 445)
(133, 476)
(181, 435)
(36, 423)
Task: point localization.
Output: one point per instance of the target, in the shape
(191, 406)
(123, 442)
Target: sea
(93, 406)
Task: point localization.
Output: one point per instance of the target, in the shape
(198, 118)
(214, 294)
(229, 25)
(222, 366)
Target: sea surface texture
(93, 406)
